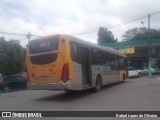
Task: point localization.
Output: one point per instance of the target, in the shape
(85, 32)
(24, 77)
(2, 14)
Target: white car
(153, 70)
(132, 72)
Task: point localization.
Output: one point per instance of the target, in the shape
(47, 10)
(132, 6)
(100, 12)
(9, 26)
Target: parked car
(154, 70)
(132, 72)
(8, 83)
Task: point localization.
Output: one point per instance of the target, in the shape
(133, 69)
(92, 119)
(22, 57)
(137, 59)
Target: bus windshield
(38, 46)
(40, 49)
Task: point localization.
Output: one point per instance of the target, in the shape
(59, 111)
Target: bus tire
(98, 84)
(70, 91)
(6, 88)
(124, 78)
(139, 74)
(24, 86)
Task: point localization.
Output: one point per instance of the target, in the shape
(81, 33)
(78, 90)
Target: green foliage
(105, 36)
(141, 34)
(12, 57)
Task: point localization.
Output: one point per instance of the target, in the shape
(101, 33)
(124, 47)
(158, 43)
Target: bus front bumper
(50, 86)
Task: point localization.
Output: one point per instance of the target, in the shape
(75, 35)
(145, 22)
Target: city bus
(64, 62)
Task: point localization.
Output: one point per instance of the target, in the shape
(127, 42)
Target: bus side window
(104, 58)
(113, 62)
(75, 52)
(119, 63)
(96, 56)
(116, 63)
(123, 63)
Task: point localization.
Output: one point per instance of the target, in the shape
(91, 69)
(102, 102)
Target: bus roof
(46, 36)
(107, 49)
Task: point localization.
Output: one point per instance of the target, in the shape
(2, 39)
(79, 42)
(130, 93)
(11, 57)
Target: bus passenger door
(86, 67)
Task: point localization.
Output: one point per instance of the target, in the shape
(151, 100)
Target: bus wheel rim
(6, 89)
(98, 84)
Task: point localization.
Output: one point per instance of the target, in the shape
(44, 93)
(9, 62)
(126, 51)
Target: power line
(137, 16)
(19, 34)
(110, 27)
(128, 19)
(7, 33)
(28, 36)
(127, 22)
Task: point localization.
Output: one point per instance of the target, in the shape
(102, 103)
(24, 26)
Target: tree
(140, 34)
(105, 36)
(12, 57)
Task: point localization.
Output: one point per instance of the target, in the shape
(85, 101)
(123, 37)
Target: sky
(46, 17)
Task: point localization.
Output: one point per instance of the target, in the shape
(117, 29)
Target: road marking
(158, 78)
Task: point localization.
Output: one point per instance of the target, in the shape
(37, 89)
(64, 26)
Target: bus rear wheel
(70, 91)
(98, 84)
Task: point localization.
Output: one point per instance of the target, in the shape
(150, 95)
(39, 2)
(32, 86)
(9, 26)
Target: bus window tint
(40, 49)
(38, 46)
(113, 62)
(121, 63)
(104, 58)
(96, 56)
(116, 63)
(75, 55)
(75, 50)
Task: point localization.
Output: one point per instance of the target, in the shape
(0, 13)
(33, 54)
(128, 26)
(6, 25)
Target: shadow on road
(64, 97)
(112, 85)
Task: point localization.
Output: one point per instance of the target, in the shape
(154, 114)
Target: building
(137, 51)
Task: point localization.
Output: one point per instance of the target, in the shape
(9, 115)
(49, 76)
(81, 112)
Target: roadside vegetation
(12, 57)
(141, 33)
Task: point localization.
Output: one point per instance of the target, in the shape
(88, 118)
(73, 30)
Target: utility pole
(149, 48)
(29, 37)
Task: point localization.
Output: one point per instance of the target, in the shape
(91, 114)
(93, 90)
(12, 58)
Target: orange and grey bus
(63, 62)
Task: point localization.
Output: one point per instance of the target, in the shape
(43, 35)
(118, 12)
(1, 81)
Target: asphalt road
(138, 94)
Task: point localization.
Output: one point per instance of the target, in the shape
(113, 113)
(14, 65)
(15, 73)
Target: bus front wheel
(6, 88)
(124, 78)
(98, 84)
